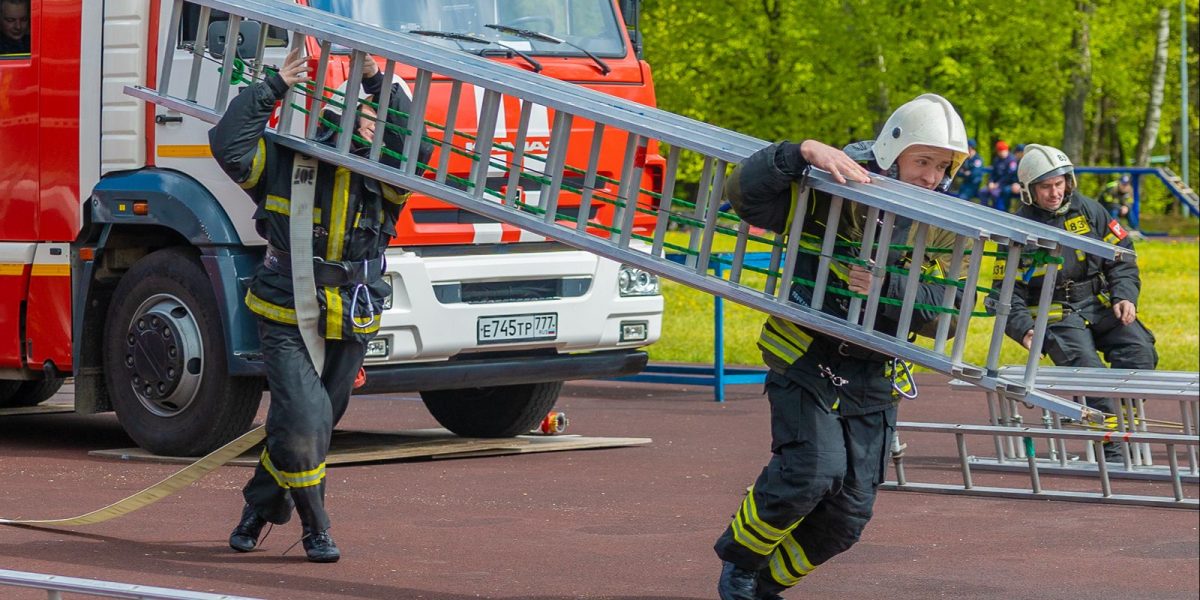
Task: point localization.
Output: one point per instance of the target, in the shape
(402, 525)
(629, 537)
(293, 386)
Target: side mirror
(247, 42)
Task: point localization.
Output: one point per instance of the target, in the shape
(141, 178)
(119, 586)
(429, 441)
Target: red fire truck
(124, 250)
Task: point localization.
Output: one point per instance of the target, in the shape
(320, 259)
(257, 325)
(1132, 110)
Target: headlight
(387, 302)
(633, 281)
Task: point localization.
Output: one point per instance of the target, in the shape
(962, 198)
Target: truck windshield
(588, 24)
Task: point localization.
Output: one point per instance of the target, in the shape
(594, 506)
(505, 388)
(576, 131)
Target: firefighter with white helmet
(1095, 300)
(353, 220)
(833, 404)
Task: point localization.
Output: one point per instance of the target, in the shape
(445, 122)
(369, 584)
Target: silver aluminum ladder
(641, 127)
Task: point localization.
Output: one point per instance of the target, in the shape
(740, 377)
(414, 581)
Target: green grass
(1168, 306)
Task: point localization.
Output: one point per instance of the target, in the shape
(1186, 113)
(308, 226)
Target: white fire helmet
(1041, 163)
(928, 119)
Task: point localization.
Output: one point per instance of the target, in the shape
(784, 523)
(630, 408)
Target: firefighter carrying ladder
(643, 129)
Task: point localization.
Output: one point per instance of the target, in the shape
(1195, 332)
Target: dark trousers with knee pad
(815, 496)
(304, 408)
(1091, 327)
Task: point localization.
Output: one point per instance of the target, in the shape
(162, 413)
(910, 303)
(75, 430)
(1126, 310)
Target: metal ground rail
(56, 585)
(1136, 390)
(645, 131)
(1176, 499)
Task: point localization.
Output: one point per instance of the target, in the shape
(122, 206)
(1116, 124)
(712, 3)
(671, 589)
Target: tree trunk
(1081, 84)
(1092, 143)
(1154, 106)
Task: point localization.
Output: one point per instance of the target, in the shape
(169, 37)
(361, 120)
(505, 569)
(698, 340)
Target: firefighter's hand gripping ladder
(642, 129)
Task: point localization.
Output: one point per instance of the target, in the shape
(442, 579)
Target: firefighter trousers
(815, 496)
(304, 408)
(1091, 327)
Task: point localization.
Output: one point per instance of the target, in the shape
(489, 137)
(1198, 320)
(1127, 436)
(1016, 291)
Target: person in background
(970, 176)
(1117, 196)
(1002, 183)
(1094, 306)
(14, 28)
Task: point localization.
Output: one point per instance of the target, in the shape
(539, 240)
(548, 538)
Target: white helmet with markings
(1041, 163)
(928, 119)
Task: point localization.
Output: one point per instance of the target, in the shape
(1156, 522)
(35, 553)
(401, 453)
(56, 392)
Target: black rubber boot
(768, 589)
(1113, 455)
(245, 536)
(319, 547)
(737, 583)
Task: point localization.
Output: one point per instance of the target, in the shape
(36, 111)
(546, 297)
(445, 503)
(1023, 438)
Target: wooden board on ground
(350, 447)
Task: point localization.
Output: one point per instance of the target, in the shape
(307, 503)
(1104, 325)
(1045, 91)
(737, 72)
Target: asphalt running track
(633, 522)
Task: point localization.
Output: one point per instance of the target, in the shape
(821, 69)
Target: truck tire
(164, 360)
(28, 393)
(492, 412)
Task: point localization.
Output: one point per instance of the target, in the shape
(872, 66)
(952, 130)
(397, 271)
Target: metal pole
(1183, 88)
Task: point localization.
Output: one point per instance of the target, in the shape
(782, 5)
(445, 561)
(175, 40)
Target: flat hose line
(181, 479)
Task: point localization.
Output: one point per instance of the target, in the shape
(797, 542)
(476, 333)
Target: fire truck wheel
(28, 393)
(492, 412)
(164, 360)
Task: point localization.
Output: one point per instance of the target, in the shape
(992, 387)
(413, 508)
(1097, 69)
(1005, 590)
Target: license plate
(517, 328)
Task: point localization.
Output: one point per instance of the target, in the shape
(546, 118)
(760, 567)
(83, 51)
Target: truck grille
(525, 290)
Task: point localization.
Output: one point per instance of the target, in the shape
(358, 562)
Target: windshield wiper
(542, 37)
(466, 37)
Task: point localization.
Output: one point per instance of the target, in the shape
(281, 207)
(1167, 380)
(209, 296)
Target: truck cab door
(19, 190)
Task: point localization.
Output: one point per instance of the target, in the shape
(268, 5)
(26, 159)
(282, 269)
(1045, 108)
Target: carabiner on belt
(897, 364)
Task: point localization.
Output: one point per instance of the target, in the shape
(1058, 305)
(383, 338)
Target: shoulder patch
(1078, 225)
(1117, 230)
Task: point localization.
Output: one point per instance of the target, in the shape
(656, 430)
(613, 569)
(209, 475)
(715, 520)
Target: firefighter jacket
(760, 190)
(354, 217)
(1004, 171)
(1084, 278)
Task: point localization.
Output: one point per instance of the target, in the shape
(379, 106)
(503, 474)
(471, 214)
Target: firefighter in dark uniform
(1095, 300)
(833, 404)
(1002, 183)
(353, 221)
(971, 174)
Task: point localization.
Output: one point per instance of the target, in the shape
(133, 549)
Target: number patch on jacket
(1077, 225)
